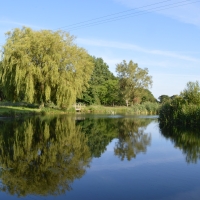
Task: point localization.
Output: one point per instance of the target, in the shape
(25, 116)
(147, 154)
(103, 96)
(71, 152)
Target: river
(97, 157)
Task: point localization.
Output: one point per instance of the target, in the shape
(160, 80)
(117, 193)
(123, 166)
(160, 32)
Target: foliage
(179, 113)
(42, 66)
(164, 98)
(145, 108)
(192, 93)
(183, 110)
(132, 80)
(103, 87)
(147, 96)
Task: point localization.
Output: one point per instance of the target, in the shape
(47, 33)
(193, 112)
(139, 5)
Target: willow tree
(133, 80)
(41, 66)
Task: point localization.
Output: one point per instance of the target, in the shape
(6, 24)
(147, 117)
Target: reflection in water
(132, 138)
(129, 131)
(186, 140)
(41, 156)
(100, 132)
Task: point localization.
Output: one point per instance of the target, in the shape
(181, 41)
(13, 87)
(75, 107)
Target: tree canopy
(163, 98)
(192, 93)
(42, 66)
(132, 80)
(147, 96)
(103, 87)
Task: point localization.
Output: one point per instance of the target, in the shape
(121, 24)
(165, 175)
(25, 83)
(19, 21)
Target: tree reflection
(186, 140)
(132, 138)
(41, 156)
(100, 132)
(130, 132)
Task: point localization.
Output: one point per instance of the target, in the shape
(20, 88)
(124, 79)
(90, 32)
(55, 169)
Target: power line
(182, 3)
(133, 14)
(113, 14)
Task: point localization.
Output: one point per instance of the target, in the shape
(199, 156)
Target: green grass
(8, 109)
(146, 108)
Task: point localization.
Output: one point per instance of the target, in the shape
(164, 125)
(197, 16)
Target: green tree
(98, 90)
(112, 96)
(132, 80)
(147, 96)
(192, 93)
(41, 66)
(164, 98)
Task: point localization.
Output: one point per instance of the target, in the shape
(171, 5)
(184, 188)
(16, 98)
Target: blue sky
(166, 39)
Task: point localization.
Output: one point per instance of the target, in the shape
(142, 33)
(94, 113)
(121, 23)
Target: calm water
(97, 157)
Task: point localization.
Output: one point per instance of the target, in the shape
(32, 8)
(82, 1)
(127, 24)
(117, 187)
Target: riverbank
(147, 108)
(23, 109)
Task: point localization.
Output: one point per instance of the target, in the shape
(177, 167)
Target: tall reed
(179, 113)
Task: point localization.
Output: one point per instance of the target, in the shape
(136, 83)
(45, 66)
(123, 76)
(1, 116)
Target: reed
(179, 113)
(145, 108)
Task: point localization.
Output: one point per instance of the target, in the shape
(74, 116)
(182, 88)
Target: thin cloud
(189, 13)
(119, 45)
(18, 23)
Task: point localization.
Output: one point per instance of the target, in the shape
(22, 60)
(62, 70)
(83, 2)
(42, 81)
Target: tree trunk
(127, 103)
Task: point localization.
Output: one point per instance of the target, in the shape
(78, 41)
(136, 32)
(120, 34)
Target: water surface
(97, 157)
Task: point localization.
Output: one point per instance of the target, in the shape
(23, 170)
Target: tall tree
(41, 66)
(98, 89)
(132, 80)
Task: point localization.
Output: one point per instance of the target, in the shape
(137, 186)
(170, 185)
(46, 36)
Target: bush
(179, 113)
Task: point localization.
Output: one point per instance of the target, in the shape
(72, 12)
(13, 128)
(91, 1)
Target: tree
(112, 96)
(163, 98)
(132, 80)
(97, 91)
(42, 66)
(147, 96)
(192, 93)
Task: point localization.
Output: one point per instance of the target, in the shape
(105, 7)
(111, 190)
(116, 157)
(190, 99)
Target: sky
(161, 35)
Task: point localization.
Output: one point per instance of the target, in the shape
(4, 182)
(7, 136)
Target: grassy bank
(146, 109)
(179, 113)
(21, 109)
